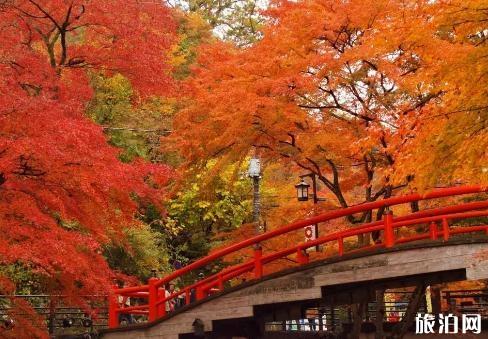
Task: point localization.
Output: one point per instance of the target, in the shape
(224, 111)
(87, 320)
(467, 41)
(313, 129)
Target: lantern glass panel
(302, 191)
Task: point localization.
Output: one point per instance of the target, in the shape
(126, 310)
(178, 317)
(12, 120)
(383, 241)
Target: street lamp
(302, 190)
(254, 172)
(312, 231)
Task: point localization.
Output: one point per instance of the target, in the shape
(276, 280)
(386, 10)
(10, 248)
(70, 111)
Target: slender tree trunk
(401, 328)
(436, 299)
(358, 311)
(52, 315)
(380, 313)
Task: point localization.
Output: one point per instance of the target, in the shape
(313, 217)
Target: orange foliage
(309, 94)
(350, 90)
(355, 92)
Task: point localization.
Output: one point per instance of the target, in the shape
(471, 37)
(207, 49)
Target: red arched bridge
(437, 224)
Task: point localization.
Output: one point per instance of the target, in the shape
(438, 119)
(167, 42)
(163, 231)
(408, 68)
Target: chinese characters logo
(448, 324)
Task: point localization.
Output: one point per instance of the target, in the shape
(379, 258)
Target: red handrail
(155, 303)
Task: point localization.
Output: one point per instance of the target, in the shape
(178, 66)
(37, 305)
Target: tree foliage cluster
(239, 22)
(89, 88)
(355, 92)
(64, 194)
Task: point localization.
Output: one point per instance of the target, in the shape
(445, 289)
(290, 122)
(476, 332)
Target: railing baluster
(200, 293)
(187, 296)
(113, 314)
(153, 299)
(340, 241)
(302, 256)
(388, 232)
(445, 229)
(161, 306)
(433, 230)
(221, 282)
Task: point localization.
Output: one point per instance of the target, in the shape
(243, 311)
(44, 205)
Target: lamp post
(311, 232)
(254, 172)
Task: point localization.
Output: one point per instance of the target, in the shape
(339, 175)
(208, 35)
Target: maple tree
(342, 90)
(448, 144)
(306, 93)
(355, 92)
(63, 191)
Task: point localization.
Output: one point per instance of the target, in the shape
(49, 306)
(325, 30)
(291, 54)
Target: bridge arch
(433, 262)
(439, 229)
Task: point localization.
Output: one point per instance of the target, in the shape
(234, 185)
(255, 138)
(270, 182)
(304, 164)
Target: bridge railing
(438, 228)
(59, 314)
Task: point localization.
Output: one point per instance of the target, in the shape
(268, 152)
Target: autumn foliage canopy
(63, 191)
(371, 96)
(378, 94)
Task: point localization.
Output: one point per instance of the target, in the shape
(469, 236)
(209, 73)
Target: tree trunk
(401, 328)
(357, 316)
(364, 238)
(380, 313)
(436, 299)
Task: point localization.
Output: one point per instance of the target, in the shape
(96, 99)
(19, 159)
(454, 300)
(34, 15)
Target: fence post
(445, 229)
(153, 299)
(389, 234)
(258, 265)
(113, 314)
(433, 230)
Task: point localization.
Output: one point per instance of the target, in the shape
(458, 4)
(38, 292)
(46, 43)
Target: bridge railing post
(258, 264)
(199, 292)
(389, 234)
(162, 306)
(153, 299)
(433, 230)
(445, 229)
(302, 256)
(187, 296)
(340, 242)
(221, 282)
(113, 314)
